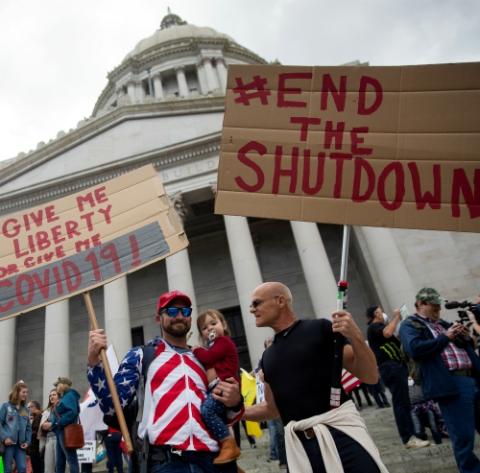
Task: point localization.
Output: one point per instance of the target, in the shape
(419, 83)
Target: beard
(176, 329)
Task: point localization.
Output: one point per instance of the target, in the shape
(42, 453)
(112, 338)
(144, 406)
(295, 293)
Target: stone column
(131, 92)
(247, 277)
(117, 315)
(222, 73)
(56, 357)
(389, 268)
(179, 273)
(202, 79)
(182, 82)
(158, 87)
(212, 83)
(316, 268)
(7, 357)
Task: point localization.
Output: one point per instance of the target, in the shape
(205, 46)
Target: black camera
(473, 308)
(458, 305)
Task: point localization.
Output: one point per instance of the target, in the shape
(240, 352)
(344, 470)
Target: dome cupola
(179, 61)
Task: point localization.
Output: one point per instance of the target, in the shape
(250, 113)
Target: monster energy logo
(392, 351)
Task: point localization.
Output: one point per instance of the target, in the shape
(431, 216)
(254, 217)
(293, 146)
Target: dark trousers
(37, 463)
(395, 377)
(355, 459)
(114, 452)
(236, 433)
(379, 394)
(356, 392)
(458, 414)
(163, 460)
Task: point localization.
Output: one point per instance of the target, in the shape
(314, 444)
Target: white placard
(87, 453)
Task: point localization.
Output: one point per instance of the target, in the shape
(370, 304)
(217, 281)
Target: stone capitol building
(164, 105)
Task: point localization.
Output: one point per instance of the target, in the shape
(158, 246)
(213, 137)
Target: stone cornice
(100, 124)
(160, 158)
(161, 52)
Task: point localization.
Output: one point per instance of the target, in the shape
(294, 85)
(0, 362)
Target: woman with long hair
(65, 412)
(48, 440)
(15, 428)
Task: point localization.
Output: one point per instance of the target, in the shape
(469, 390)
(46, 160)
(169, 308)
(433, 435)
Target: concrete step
(382, 428)
(435, 458)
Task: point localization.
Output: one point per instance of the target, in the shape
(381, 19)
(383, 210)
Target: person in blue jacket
(15, 428)
(65, 412)
(449, 370)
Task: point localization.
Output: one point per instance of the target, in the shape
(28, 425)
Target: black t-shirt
(385, 349)
(298, 365)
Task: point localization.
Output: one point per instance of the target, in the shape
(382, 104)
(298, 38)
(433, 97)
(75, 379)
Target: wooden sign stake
(108, 373)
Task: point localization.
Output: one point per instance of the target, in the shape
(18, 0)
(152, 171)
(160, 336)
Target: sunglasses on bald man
(174, 311)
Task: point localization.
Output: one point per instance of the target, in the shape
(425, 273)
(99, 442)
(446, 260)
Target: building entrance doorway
(233, 315)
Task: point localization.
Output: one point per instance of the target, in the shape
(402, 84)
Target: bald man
(297, 369)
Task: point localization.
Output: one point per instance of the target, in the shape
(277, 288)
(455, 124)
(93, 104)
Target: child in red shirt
(220, 358)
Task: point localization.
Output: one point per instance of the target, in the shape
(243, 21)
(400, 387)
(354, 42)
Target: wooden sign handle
(108, 374)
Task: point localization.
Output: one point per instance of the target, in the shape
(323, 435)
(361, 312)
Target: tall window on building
(170, 85)
(192, 81)
(138, 338)
(233, 315)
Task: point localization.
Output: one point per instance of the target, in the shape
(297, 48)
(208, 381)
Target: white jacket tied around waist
(174, 391)
(345, 418)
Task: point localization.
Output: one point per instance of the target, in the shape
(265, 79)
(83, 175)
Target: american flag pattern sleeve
(126, 380)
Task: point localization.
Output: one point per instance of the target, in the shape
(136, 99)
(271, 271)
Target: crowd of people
(181, 402)
(27, 432)
(33, 439)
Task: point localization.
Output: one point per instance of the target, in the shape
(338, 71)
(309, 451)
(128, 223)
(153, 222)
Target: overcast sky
(55, 54)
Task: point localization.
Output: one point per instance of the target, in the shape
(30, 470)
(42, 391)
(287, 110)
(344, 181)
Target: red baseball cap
(167, 297)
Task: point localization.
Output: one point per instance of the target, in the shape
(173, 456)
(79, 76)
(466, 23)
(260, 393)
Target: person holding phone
(449, 370)
(393, 370)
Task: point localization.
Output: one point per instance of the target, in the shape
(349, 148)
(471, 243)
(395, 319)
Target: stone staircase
(435, 458)
(381, 425)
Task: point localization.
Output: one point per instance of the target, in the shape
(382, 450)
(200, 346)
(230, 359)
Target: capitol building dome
(179, 61)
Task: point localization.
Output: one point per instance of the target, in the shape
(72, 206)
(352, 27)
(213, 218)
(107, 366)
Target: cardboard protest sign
(380, 146)
(84, 240)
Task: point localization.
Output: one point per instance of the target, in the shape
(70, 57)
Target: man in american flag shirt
(175, 387)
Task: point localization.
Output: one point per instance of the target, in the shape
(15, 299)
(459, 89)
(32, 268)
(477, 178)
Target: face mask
(385, 317)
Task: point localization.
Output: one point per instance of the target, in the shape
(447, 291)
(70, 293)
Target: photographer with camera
(471, 319)
(448, 368)
(474, 317)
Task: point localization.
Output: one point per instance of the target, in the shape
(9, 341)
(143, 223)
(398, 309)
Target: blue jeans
(213, 415)
(395, 377)
(458, 414)
(277, 441)
(11, 452)
(65, 455)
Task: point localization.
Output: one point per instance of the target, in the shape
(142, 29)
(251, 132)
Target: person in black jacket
(393, 371)
(33, 449)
